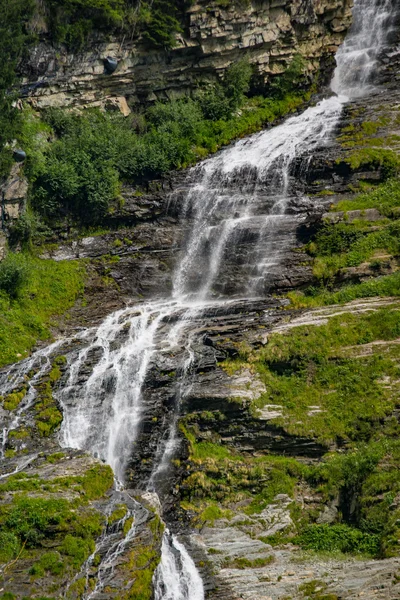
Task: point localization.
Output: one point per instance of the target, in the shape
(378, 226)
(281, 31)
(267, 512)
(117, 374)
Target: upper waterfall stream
(237, 198)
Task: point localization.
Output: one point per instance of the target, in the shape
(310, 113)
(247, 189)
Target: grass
(355, 393)
(384, 286)
(385, 198)
(337, 247)
(308, 368)
(50, 290)
(245, 563)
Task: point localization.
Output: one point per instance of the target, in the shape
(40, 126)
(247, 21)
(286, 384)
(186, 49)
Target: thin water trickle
(235, 206)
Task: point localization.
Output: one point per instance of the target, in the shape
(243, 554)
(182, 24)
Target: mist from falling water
(243, 190)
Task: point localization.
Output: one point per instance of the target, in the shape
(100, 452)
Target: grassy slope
(50, 290)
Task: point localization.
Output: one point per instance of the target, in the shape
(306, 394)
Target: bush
(77, 549)
(71, 21)
(13, 274)
(186, 114)
(32, 519)
(27, 229)
(221, 100)
(9, 546)
(237, 82)
(214, 104)
(339, 538)
(78, 174)
(160, 24)
(386, 160)
(291, 79)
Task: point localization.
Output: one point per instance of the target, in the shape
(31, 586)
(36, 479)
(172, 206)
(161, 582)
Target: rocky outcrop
(14, 193)
(269, 33)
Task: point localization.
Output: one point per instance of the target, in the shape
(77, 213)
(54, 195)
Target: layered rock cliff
(215, 34)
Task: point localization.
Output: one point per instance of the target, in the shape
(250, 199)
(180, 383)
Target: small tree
(13, 274)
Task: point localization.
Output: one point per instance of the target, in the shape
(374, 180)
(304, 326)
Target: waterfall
(176, 577)
(357, 57)
(236, 205)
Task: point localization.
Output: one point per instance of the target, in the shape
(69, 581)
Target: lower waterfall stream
(241, 194)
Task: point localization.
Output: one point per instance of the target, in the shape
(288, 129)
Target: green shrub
(186, 114)
(377, 158)
(50, 562)
(26, 230)
(9, 546)
(291, 79)
(32, 519)
(13, 274)
(160, 23)
(77, 549)
(237, 82)
(340, 538)
(71, 21)
(220, 100)
(214, 103)
(78, 175)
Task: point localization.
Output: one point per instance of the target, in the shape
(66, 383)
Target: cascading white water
(357, 57)
(238, 200)
(176, 577)
(229, 198)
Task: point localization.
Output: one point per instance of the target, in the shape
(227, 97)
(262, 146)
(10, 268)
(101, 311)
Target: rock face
(14, 192)
(268, 32)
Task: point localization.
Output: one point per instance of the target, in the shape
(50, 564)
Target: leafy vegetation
(79, 174)
(142, 563)
(336, 247)
(335, 383)
(73, 21)
(308, 369)
(13, 275)
(386, 160)
(385, 198)
(340, 538)
(342, 245)
(388, 285)
(14, 37)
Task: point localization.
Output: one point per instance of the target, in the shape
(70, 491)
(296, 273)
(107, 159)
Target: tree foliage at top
(14, 36)
(72, 21)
